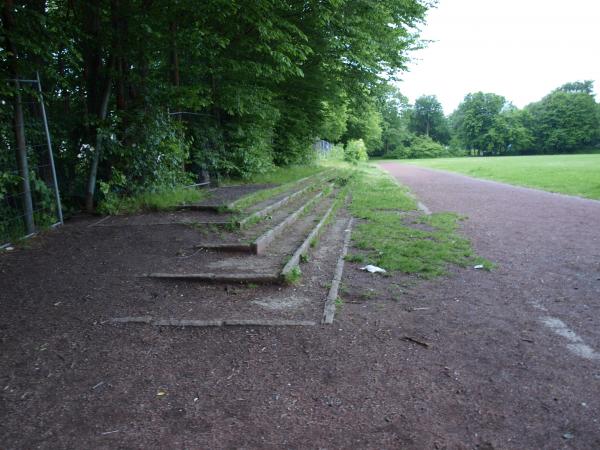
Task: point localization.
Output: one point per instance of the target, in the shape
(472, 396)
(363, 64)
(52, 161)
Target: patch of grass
(355, 258)
(151, 201)
(264, 194)
(393, 245)
(284, 177)
(374, 191)
(339, 304)
(293, 276)
(280, 175)
(304, 258)
(568, 174)
(368, 294)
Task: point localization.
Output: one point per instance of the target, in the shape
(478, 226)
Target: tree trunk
(91, 188)
(19, 126)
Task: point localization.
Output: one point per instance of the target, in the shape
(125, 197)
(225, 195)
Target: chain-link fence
(29, 196)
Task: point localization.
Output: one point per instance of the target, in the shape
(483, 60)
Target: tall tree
(427, 118)
(476, 122)
(566, 119)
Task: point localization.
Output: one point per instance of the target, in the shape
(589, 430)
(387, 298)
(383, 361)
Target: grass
(293, 276)
(151, 201)
(279, 175)
(285, 181)
(567, 174)
(393, 244)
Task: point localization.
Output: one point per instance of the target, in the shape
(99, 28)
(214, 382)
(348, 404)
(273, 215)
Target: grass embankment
(152, 201)
(396, 237)
(568, 174)
(170, 199)
(283, 177)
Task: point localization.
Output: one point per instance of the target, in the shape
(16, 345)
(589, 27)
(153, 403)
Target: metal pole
(51, 156)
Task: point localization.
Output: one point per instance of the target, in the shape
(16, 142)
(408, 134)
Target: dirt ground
(476, 360)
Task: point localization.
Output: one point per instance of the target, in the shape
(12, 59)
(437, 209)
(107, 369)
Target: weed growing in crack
(293, 276)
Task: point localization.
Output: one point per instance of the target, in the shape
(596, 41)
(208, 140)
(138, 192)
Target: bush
(355, 151)
(425, 147)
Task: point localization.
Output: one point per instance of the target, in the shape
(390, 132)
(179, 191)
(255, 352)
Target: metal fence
(322, 147)
(29, 195)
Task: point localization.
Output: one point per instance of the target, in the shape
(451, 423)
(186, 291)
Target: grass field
(568, 174)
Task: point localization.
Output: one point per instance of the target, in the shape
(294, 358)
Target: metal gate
(29, 194)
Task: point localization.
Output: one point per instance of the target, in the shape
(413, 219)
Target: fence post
(50, 154)
(22, 160)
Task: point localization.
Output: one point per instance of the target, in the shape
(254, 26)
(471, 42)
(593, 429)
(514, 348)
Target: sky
(521, 49)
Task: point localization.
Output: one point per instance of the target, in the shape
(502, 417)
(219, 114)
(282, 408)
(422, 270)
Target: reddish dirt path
(494, 376)
(547, 247)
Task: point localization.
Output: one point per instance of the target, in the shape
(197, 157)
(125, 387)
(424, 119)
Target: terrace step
(258, 238)
(271, 267)
(214, 212)
(220, 198)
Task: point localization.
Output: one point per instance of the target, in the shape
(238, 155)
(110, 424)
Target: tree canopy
(142, 93)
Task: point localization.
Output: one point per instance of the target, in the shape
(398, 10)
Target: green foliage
(287, 178)
(355, 258)
(355, 151)
(364, 123)
(374, 191)
(565, 120)
(477, 123)
(249, 85)
(426, 147)
(146, 201)
(335, 154)
(421, 147)
(397, 242)
(427, 119)
(293, 276)
(335, 118)
(569, 174)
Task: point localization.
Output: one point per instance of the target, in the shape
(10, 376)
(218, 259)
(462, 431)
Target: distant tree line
(484, 124)
(145, 94)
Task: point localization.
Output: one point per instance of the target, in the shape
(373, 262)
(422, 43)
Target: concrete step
(272, 267)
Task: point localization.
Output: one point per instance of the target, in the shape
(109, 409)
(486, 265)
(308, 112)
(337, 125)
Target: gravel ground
(475, 360)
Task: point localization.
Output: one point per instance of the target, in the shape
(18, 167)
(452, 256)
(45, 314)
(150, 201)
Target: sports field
(568, 174)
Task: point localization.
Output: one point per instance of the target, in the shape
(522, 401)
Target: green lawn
(569, 174)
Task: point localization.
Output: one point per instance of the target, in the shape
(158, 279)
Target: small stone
(568, 436)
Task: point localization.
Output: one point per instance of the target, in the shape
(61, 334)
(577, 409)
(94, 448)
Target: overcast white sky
(521, 49)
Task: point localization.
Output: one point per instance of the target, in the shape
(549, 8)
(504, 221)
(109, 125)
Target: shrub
(355, 151)
(425, 147)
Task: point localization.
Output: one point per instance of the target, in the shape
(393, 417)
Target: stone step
(265, 232)
(272, 267)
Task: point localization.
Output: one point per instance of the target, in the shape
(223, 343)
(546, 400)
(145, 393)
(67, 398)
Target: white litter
(9, 249)
(478, 266)
(373, 269)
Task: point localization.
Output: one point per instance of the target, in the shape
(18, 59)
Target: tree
(478, 125)
(427, 119)
(142, 92)
(578, 87)
(565, 120)
(364, 122)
